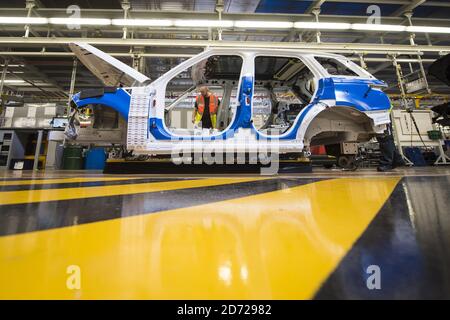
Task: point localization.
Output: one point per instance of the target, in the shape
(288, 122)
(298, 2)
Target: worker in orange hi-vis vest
(206, 106)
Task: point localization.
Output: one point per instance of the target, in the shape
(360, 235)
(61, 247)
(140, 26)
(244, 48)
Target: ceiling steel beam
(362, 47)
(70, 54)
(119, 12)
(151, 14)
(172, 55)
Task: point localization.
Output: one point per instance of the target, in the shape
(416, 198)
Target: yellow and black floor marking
(409, 240)
(47, 214)
(81, 184)
(219, 238)
(37, 181)
(16, 197)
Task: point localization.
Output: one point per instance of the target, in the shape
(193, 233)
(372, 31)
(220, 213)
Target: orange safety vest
(213, 106)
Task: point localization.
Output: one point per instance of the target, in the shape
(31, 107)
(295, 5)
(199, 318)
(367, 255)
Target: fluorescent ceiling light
(428, 29)
(12, 81)
(322, 25)
(13, 65)
(264, 24)
(143, 22)
(204, 23)
(23, 20)
(80, 21)
(257, 24)
(377, 27)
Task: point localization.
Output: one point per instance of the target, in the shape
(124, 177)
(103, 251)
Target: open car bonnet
(109, 70)
(441, 69)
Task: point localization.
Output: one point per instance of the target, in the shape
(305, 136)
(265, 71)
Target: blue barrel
(95, 159)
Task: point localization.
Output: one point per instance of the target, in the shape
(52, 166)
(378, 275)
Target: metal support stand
(362, 62)
(126, 7)
(30, 4)
(4, 72)
(443, 158)
(316, 12)
(398, 71)
(408, 16)
(219, 9)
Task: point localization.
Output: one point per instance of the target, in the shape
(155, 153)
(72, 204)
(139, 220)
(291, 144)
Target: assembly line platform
(166, 166)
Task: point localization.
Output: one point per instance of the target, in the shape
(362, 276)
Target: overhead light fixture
(13, 65)
(322, 25)
(264, 24)
(377, 27)
(428, 29)
(81, 21)
(143, 22)
(14, 81)
(204, 23)
(23, 20)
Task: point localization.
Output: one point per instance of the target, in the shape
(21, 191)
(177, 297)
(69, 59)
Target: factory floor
(329, 234)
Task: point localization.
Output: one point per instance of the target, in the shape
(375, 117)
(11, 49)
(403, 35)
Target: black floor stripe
(55, 214)
(408, 240)
(84, 184)
(50, 177)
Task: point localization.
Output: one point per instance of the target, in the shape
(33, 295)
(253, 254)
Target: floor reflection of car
(285, 97)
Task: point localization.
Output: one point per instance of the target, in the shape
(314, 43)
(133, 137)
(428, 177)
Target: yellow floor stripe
(62, 180)
(29, 196)
(280, 245)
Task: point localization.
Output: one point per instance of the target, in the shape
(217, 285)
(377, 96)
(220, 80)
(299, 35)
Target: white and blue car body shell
(342, 108)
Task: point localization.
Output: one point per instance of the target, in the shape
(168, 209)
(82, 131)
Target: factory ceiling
(41, 63)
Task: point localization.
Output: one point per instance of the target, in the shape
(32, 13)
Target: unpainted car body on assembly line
(306, 99)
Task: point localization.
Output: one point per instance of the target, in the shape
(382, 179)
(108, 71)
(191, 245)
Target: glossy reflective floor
(325, 235)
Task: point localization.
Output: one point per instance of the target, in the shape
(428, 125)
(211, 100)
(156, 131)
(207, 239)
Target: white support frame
(442, 158)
